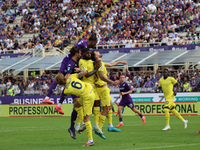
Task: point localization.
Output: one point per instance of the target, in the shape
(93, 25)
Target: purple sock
(52, 88)
(120, 119)
(141, 115)
(73, 118)
(62, 97)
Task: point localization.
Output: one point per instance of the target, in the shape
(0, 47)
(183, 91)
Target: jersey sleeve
(159, 85)
(128, 88)
(83, 65)
(174, 81)
(102, 67)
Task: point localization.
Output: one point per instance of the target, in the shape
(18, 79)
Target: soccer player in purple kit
(125, 90)
(91, 43)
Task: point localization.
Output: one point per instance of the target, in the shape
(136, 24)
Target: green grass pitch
(50, 133)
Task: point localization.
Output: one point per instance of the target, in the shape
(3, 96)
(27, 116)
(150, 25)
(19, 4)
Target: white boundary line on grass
(167, 146)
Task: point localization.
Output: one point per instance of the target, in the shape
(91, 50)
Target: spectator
(186, 86)
(148, 83)
(193, 84)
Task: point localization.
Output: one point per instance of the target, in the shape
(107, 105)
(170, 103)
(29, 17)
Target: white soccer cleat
(185, 123)
(166, 128)
(97, 129)
(77, 128)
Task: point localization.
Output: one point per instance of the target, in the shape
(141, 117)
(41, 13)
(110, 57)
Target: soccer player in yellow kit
(86, 64)
(167, 83)
(84, 90)
(104, 92)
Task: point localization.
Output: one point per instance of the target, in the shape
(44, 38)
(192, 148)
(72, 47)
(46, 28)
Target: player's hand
(123, 62)
(123, 93)
(116, 82)
(175, 93)
(77, 69)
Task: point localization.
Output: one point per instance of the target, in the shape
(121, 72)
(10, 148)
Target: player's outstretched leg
(167, 127)
(140, 114)
(58, 107)
(96, 111)
(111, 128)
(120, 116)
(51, 89)
(179, 117)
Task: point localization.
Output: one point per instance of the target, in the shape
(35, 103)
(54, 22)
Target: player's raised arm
(97, 66)
(115, 63)
(102, 77)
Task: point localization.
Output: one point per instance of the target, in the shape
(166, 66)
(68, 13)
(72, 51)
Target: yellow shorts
(169, 103)
(104, 94)
(87, 102)
(96, 95)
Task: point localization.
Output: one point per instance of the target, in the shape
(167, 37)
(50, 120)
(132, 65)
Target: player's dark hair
(92, 38)
(165, 70)
(85, 50)
(93, 56)
(74, 50)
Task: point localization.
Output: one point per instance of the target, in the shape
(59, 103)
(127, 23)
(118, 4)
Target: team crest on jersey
(69, 64)
(101, 67)
(123, 84)
(83, 68)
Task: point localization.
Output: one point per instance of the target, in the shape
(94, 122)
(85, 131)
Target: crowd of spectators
(140, 81)
(58, 22)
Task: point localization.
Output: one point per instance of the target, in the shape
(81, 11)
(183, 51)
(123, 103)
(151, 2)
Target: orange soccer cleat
(143, 119)
(88, 144)
(120, 124)
(59, 109)
(47, 101)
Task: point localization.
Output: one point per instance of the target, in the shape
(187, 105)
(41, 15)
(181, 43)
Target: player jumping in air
(125, 90)
(104, 92)
(84, 90)
(167, 83)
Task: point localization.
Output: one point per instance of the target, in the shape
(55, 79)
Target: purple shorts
(74, 96)
(125, 103)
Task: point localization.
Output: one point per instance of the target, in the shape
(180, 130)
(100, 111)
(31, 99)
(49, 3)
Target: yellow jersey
(104, 70)
(87, 65)
(77, 87)
(167, 87)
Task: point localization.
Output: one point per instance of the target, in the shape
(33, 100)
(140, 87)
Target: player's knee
(77, 105)
(75, 100)
(172, 108)
(97, 103)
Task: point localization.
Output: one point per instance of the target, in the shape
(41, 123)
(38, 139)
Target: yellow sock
(177, 114)
(101, 121)
(109, 116)
(80, 115)
(89, 130)
(96, 111)
(166, 115)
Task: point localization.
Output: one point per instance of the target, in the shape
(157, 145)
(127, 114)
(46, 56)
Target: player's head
(86, 54)
(165, 73)
(96, 56)
(92, 41)
(60, 79)
(122, 78)
(75, 52)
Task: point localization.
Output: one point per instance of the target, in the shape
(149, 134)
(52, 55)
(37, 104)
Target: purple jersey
(82, 44)
(64, 63)
(70, 66)
(124, 87)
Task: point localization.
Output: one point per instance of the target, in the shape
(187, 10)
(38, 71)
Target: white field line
(168, 146)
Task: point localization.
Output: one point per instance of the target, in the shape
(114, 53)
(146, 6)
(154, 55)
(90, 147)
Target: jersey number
(76, 85)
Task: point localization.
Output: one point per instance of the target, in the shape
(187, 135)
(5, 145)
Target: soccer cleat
(120, 124)
(59, 109)
(77, 128)
(82, 128)
(185, 124)
(47, 101)
(113, 129)
(72, 133)
(144, 119)
(88, 144)
(101, 135)
(166, 128)
(97, 129)
(198, 132)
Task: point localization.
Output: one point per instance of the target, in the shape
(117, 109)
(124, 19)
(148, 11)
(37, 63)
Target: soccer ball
(151, 9)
